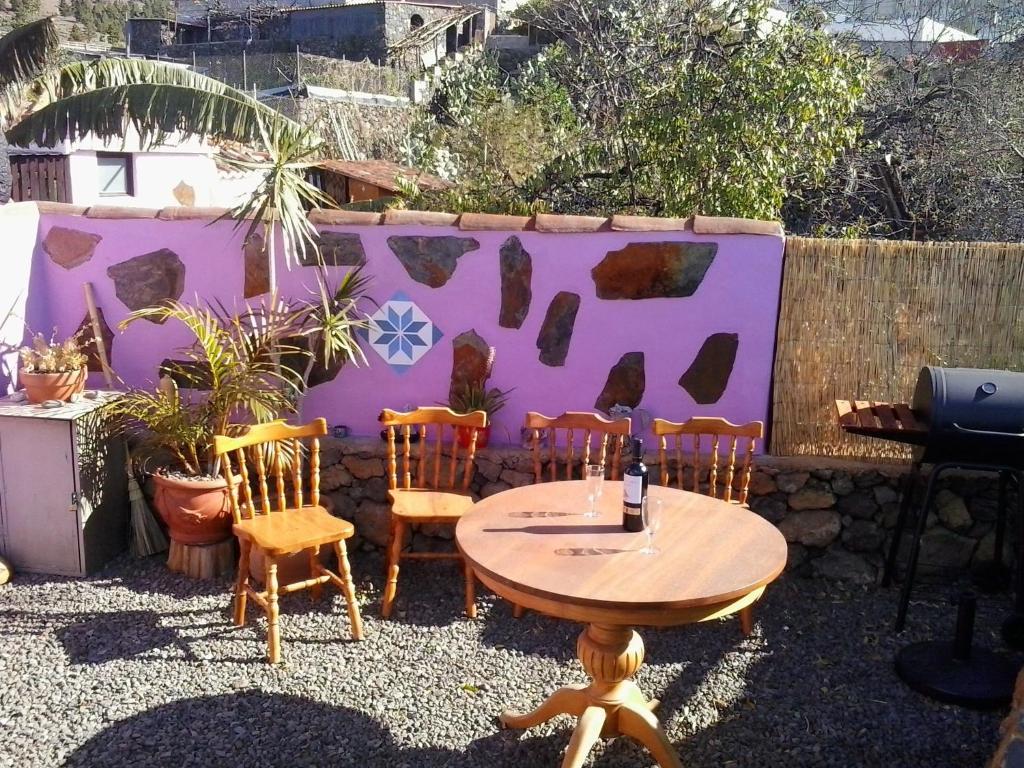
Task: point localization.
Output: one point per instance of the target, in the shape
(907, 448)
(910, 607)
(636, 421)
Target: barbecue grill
(964, 418)
(969, 418)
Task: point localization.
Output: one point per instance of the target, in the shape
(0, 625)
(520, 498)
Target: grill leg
(1001, 512)
(909, 486)
(1013, 627)
(915, 546)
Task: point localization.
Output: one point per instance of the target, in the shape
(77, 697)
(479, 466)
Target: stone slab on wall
(737, 295)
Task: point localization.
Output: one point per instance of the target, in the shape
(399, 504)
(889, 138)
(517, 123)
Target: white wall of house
(175, 172)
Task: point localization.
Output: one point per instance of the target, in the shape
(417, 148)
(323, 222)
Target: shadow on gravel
(251, 728)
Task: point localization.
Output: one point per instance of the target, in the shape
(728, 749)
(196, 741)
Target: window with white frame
(114, 174)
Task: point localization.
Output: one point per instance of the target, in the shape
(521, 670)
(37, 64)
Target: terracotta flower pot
(195, 511)
(52, 386)
(482, 437)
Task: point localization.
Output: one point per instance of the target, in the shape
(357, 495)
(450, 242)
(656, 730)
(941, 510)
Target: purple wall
(739, 294)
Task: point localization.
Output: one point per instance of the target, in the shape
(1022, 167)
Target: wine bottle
(634, 489)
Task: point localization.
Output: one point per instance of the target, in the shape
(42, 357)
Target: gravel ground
(140, 667)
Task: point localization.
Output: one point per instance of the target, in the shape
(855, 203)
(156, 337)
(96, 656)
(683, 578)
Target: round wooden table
(533, 546)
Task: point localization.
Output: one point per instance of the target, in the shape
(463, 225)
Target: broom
(145, 535)
(147, 538)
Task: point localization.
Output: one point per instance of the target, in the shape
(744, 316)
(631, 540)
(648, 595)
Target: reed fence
(859, 318)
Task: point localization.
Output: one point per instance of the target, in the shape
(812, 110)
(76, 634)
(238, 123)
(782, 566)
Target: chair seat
(426, 506)
(293, 530)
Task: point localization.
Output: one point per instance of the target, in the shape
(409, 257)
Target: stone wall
(837, 516)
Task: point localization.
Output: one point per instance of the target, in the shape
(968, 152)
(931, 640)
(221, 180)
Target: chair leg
(349, 590)
(273, 630)
(470, 591)
(517, 611)
(747, 620)
(394, 555)
(242, 582)
(316, 591)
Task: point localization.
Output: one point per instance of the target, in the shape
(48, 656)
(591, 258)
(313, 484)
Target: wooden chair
(286, 529)
(591, 425)
(595, 448)
(425, 491)
(722, 477)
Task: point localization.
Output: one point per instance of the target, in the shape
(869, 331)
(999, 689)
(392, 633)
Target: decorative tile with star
(401, 333)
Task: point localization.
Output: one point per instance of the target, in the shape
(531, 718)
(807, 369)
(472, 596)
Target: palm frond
(155, 98)
(284, 195)
(25, 51)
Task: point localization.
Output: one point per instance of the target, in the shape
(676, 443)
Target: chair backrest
(401, 427)
(275, 451)
(610, 436)
(715, 429)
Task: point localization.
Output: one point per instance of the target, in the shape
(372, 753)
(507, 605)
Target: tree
(667, 108)
(24, 11)
(941, 155)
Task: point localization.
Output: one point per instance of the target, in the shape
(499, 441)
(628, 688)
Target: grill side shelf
(886, 421)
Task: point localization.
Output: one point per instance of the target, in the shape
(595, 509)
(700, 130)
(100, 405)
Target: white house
(124, 172)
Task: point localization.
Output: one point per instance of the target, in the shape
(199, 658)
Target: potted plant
(241, 369)
(52, 370)
(475, 396)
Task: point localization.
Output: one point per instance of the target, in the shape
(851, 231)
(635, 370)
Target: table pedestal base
(611, 705)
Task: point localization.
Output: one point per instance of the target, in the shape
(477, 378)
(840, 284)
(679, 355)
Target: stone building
(419, 34)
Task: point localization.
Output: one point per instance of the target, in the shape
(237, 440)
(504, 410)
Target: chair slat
(535, 443)
(297, 472)
(731, 469)
(454, 458)
(713, 476)
(243, 470)
(229, 476)
(314, 470)
(680, 469)
(552, 455)
(261, 476)
(406, 455)
(437, 455)
(392, 462)
(467, 473)
(586, 449)
(421, 471)
(570, 453)
(282, 502)
(696, 463)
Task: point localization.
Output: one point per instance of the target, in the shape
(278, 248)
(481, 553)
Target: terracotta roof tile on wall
(622, 223)
(493, 221)
(726, 225)
(351, 218)
(553, 222)
(541, 222)
(429, 218)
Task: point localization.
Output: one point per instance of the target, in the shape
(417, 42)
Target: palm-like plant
(44, 104)
(250, 366)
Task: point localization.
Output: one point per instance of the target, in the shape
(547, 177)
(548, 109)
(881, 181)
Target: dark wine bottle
(634, 489)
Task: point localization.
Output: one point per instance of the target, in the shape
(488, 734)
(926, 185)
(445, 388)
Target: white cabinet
(63, 487)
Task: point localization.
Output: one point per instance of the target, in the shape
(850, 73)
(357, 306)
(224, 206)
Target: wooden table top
(533, 541)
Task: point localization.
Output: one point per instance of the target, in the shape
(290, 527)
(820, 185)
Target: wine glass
(651, 516)
(594, 476)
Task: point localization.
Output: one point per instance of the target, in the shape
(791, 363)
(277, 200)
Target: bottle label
(633, 489)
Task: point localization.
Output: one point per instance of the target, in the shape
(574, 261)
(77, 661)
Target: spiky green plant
(241, 368)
